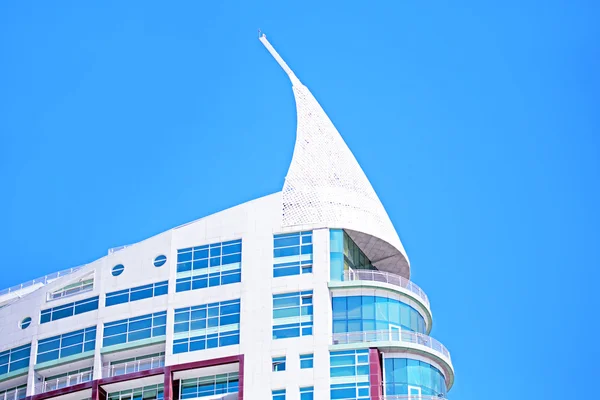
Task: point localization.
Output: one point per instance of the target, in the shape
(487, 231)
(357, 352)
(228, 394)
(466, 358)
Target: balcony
(132, 366)
(14, 394)
(64, 381)
(30, 286)
(389, 278)
(408, 337)
(411, 342)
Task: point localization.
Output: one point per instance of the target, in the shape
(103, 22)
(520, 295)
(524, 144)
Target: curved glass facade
(403, 376)
(374, 313)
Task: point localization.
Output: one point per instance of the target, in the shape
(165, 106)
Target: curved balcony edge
(411, 342)
(386, 281)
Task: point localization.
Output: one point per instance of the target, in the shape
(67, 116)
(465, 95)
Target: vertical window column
(336, 254)
(67, 344)
(209, 265)
(306, 361)
(15, 359)
(307, 393)
(292, 314)
(206, 326)
(292, 254)
(136, 328)
(349, 372)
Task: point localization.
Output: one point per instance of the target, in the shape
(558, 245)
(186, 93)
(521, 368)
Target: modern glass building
(302, 294)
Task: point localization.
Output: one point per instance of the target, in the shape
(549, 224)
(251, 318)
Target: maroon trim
(175, 389)
(168, 384)
(61, 391)
(95, 391)
(376, 376)
(98, 393)
(241, 378)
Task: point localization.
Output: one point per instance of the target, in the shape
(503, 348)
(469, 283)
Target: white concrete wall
(255, 223)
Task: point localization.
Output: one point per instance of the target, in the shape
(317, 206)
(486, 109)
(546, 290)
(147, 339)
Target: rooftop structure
(303, 294)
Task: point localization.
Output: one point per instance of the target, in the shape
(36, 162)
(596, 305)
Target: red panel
(376, 376)
(241, 381)
(168, 385)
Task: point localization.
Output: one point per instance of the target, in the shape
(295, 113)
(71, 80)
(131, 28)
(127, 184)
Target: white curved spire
(326, 187)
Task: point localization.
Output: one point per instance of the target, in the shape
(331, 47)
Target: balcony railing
(386, 277)
(41, 281)
(14, 394)
(129, 367)
(391, 335)
(64, 381)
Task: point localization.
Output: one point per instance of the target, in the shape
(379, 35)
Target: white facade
(325, 189)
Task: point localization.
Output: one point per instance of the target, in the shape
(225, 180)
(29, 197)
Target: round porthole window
(25, 323)
(160, 261)
(118, 270)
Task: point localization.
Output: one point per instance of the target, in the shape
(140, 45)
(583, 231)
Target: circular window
(118, 270)
(160, 261)
(25, 323)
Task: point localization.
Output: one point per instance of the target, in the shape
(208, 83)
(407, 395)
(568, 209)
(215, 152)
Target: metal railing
(391, 335)
(64, 381)
(14, 394)
(113, 250)
(129, 367)
(80, 287)
(386, 277)
(42, 281)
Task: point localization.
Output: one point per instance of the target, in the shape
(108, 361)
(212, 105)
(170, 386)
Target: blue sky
(476, 123)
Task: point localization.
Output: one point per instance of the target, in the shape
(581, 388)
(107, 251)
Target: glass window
(292, 254)
(118, 270)
(209, 265)
(278, 364)
(306, 361)
(83, 285)
(14, 359)
(136, 328)
(292, 314)
(400, 373)
(208, 386)
(152, 392)
(353, 255)
(159, 261)
(25, 322)
(278, 394)
(307, 393)
(206, 326)
(69, 309)
(374, 313)
(67, 344)
(136, 293)
(350, 391)
(353, 363)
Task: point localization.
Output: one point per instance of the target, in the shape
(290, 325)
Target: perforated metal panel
(325, 185)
